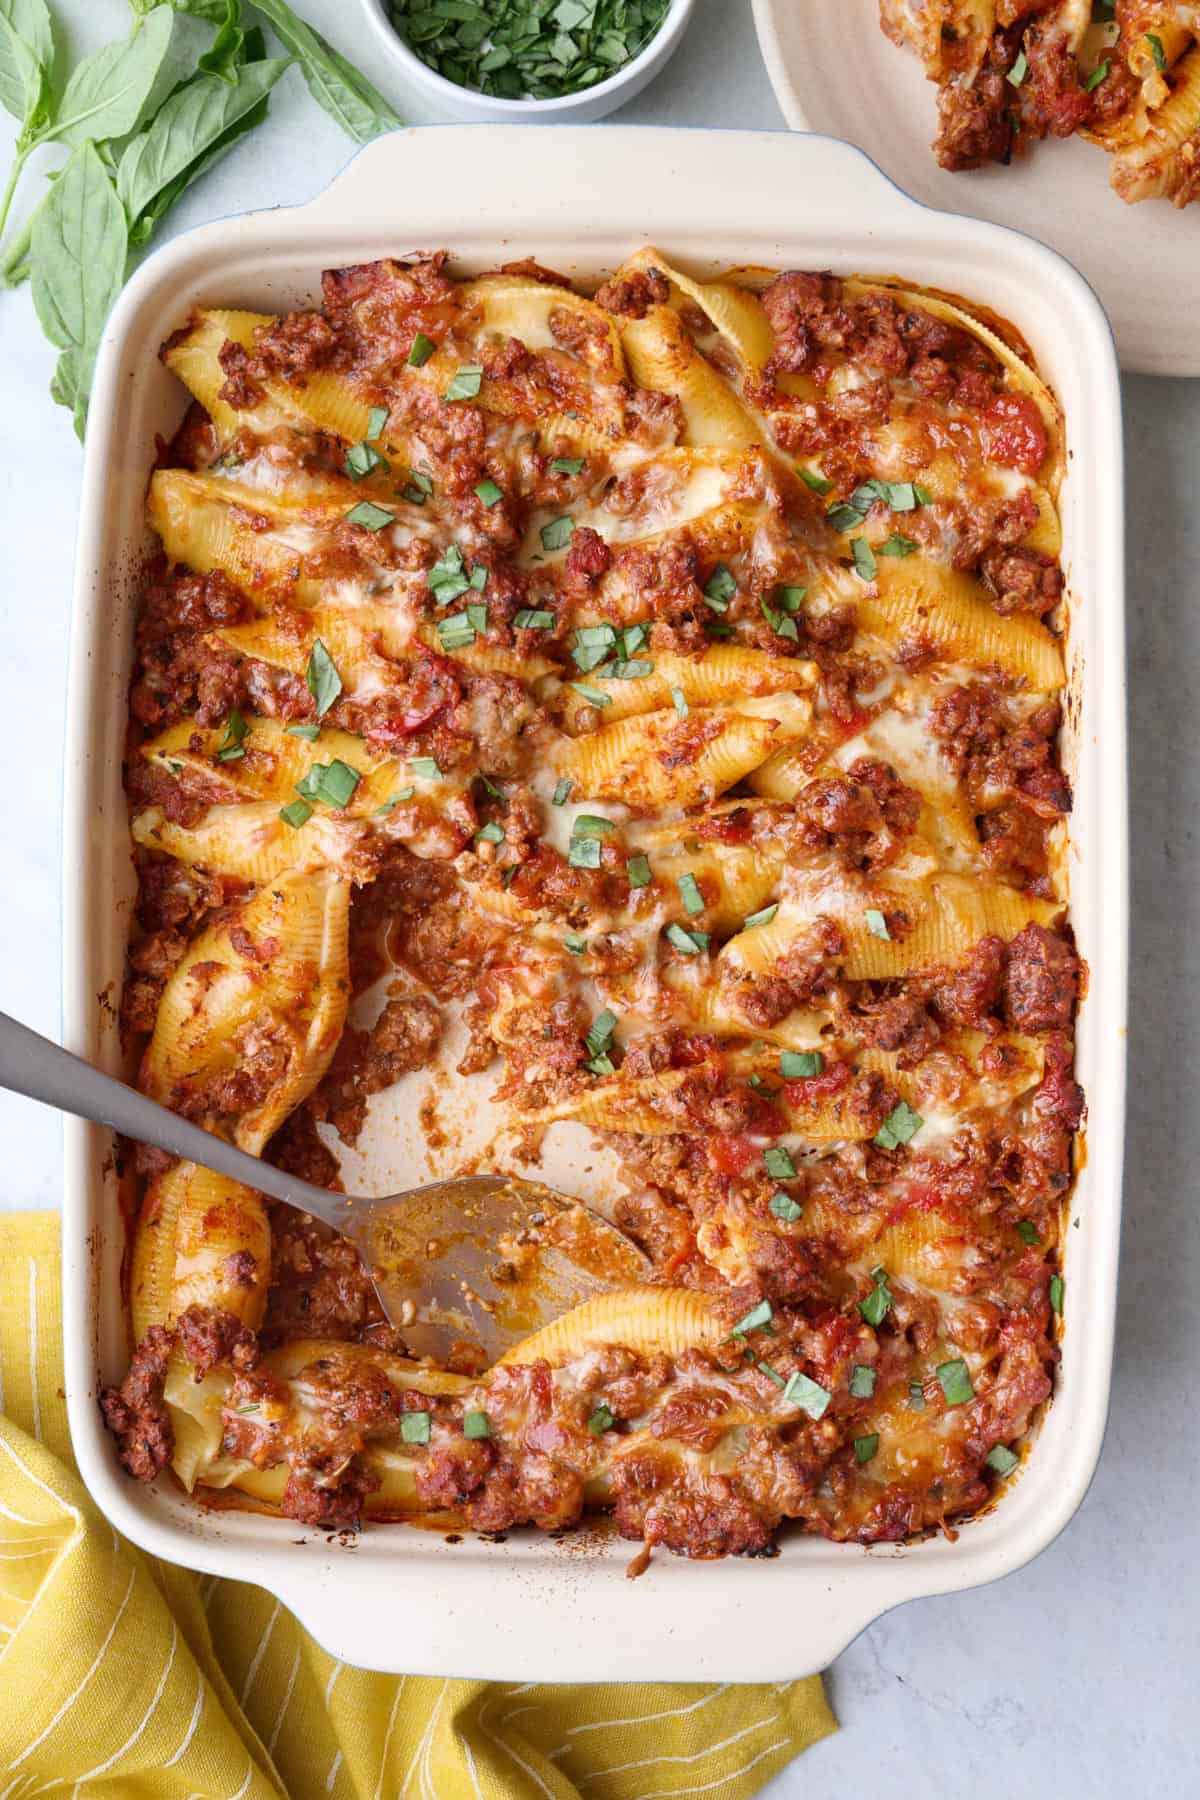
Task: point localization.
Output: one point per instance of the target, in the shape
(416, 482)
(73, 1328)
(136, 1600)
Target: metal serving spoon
(487, 1258)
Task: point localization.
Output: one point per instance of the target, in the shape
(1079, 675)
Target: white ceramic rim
(533, 1610)
(654, 54)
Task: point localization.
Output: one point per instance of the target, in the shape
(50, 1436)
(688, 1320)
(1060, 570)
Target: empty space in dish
(579, 201)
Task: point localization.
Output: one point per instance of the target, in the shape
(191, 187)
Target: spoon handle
(33, 1066)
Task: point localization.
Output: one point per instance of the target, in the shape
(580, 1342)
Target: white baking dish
(579, 200)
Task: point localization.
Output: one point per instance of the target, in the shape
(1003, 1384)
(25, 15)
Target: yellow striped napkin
(125, 1677)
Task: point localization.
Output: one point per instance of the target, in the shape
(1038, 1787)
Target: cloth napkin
(128, 1678)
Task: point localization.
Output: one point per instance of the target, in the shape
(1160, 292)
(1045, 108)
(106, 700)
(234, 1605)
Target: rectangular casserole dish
(532, 1609)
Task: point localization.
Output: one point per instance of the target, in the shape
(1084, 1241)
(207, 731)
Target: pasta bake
(661, 687)
(1125, 74)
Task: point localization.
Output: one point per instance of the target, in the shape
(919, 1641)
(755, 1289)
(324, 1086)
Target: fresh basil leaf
(1157, 51)
(476, 1425)
(108, 92)
(370, 516)
(807, 1394)
(818, 483)
(335, 84)
(785, 1208)
(566, 465)
(688, 943)
(1002, 1459)
(689, 893)
(534, 618)
(878, 1303)
(600, 1037)
(754, 1320)
(637, 871)
(877, 923)
(558, 533)
(27, 60)
(195, 126)
(864, 559)
(489, 493)
(798, 1065)
(321, 678)
(720, 588)
(956, 1383)
(862, 1381)
(900, 1127)
(1019, 70)
(78, 260)
(865, 1447)
(777, 1161)
(420, 351)
(465, 383)
(296, 813)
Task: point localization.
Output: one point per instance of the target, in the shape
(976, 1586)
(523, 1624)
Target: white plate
(834, 71)
(580, 199)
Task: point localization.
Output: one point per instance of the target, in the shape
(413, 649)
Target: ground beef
(587, 559)
(969, 995)
(864, 815)
(1022, 580)
(899, 1021)
(178, 668)
(1041, 981)
(208, 1336)
(136, 1413)
(405, 1036)
(633, 295)
(314, 1500)
(293, 346)
(319, 1287)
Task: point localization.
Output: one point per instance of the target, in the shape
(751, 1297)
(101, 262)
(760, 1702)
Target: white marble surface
(1071, 1677)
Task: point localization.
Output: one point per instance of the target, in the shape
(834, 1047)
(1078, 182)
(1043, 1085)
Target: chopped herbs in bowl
(522, 58)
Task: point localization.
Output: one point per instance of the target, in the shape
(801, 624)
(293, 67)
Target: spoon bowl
(480, 1259)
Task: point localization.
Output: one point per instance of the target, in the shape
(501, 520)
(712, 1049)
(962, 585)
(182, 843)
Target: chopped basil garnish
(321, 678)
(602, 1419)
(534, 618)
(637, 869)
(679, 702)
(397, 799)
(377, 420)
(900, 1127)
(632, 638)
(1002, 1459)
(916, 1395)
(689, 893)
(296, 813)
(688, 943)
(479, 578)
(778, 1163)
(332, 783)
(878, 1303)
(714, 629)
(448, 578)
(795, 1065)
(807, 1394)
(370, 516)
(955, 1378)
(574, 943)
(815, 481)
(844, 517)
(633, 670)
(594, 696)
(491, 789)
(720, 588)
(785, 1208)
(491, 833)
(897, 545)
(310, 733)
(535, 49)
(593, 643)
(423, 483)
(489, 493)
(566, 465)
(764, 1368)
(426, 767)
(862, 1381)
(865, 1447)
(762, 917)
(1098, 74)
(921, 494)
(1157, 51)
(584, 853)
(600, 1037)
(864, 559)
(414, 1427)
(562, 791)
(1028, 1231)
(558, 533)
(754, 1320)
(421, 351)
(877, 925)
(781, 624)
(1019, 70)
(591, 825)
(478, 618)
(476, 1425)
(361, 459)
(1056, 1293)
(464, 383)
(235, 736)
(456, 632)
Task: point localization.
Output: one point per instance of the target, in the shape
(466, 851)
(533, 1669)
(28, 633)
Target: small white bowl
(578, 109)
